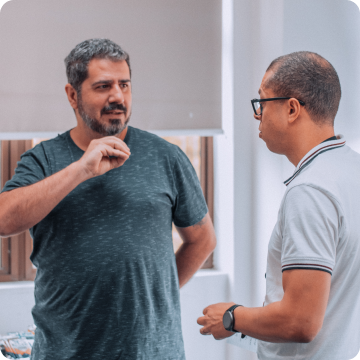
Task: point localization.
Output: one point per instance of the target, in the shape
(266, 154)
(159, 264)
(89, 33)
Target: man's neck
(82, 136)
(303, 144)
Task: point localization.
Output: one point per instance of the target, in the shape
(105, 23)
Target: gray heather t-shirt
(107, 284)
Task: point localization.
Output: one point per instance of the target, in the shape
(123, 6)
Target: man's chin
(106, 127)
(114, 130)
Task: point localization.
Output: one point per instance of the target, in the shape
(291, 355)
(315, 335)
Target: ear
(294, 110)
(72, 96)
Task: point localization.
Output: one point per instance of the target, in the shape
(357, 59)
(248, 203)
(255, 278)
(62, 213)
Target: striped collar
(313, 153)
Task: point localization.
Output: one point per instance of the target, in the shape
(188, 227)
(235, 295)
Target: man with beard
(100, 200)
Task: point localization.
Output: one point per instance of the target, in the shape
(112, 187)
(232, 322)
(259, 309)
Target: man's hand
(22, 208)
(103, 155)
(212, 321)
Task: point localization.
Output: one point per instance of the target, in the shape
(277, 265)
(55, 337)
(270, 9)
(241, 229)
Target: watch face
(227, 320)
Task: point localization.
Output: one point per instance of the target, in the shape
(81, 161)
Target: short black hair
(309, 77)
(78, 60)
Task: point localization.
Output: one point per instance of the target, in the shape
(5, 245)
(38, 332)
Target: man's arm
(24, 207)
(298, 317)
(199, 242)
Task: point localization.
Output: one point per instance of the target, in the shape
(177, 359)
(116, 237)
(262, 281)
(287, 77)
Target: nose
(257, 117)
(116, 95)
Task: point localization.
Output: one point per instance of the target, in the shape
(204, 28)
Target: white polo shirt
(318, 228)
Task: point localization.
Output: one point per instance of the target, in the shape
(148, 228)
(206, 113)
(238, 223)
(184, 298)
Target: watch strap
(231, 309)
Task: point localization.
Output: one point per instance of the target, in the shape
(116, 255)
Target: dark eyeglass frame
(253, 101)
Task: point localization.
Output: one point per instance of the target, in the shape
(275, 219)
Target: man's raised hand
(103, 155)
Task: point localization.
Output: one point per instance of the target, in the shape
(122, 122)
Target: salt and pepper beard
(94, 124)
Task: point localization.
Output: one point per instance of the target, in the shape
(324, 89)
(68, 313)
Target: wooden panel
(5, 167)
(207, 172)
(5, 256)
(30, 270)
(15, 249)
(18, 256)
(207, 182)
(5, 173)
(17, 148)
(6, 278)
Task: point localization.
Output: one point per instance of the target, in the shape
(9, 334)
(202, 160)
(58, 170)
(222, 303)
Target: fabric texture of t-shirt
(318, 228)
(107, 284)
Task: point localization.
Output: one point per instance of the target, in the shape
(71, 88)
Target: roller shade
(175, 54)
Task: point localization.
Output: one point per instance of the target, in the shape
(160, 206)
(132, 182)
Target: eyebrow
(109, 82)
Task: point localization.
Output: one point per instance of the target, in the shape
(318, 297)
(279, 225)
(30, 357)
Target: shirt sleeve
(31, 168)
(190, 206)
(311, 220)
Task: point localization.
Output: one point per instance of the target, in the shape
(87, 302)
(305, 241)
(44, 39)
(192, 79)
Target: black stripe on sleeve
(306, 268)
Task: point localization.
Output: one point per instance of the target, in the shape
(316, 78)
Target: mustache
(112, 107)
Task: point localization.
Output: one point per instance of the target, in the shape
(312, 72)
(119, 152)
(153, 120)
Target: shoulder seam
(318, 188)
(326, 193)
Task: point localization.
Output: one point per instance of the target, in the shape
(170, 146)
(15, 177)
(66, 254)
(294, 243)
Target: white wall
(207, 287)
(16, 301)
(332, 29)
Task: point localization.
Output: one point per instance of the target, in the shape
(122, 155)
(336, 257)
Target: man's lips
(114, 112)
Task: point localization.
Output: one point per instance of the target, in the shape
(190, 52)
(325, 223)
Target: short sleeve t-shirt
(318, 228)
(107, 284)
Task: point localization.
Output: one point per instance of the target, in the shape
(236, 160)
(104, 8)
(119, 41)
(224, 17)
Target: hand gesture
(212, 321)
(103, 155)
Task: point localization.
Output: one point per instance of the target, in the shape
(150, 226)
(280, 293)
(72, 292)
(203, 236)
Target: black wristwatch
(228, 318)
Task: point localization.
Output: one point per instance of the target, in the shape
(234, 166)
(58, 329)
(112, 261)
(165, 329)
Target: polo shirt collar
(314, 152)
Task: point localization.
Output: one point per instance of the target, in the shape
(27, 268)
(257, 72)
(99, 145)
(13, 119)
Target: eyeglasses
(256, 103)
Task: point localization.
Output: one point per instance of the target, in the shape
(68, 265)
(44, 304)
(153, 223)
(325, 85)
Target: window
(199, 150)
(15, 251)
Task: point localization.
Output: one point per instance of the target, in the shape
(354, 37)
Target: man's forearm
(297, 317)
(273, 323)
(24, 207)
(190, 257)
(199, 243)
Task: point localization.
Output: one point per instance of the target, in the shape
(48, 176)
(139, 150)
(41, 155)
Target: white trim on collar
(314, 152)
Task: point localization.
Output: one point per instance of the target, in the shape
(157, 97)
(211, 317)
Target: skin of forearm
(22, 208)
(274, 323)
(191, 256)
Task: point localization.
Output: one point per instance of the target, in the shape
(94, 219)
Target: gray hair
(309, 77)
(79, 58)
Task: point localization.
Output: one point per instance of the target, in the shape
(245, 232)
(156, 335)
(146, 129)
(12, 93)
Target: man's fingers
(201, 320)
(114, 142)
(107, 150)
(116, 162)
(204, 331)
(205, 311)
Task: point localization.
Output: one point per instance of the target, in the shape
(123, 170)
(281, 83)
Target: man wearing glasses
(312, 303)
